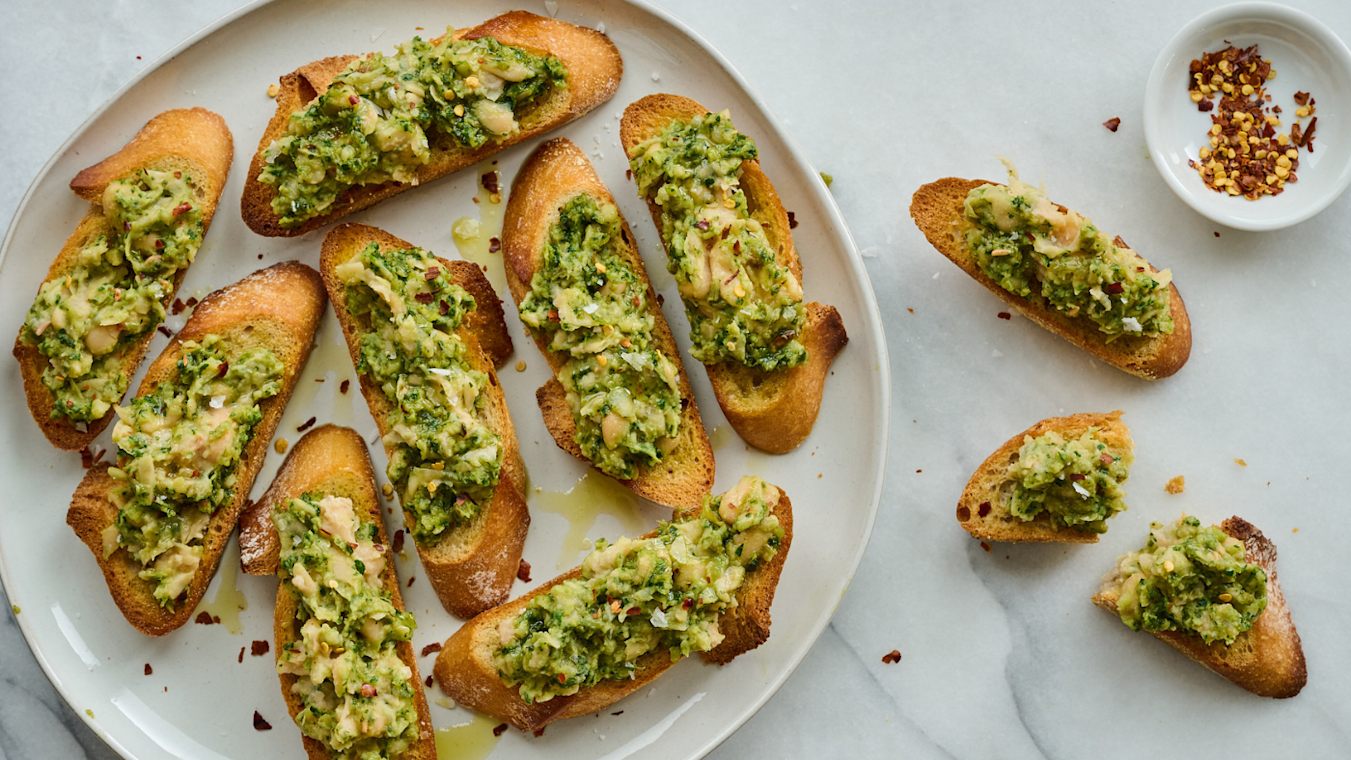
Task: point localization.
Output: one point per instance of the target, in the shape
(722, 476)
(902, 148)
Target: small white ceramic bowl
(1307, 56)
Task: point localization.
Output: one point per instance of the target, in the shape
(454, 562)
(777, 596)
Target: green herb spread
(178, 449)
(1076, 482)
(1032, 248)
(382, 116)
(587, 301)
(446, 459)
(637, 596)
(86, 320)
(1191, 579)
(742, 305)
(358, 696)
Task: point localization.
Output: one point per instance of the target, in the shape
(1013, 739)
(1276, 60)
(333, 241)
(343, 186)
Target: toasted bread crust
(194, 140)
(594, 70)
(464, 669)
(329, 460)
(772, 411)
(983, 509)
(1267, 659)
(937, 209)
(278, 308)
(472, 567)
(557, 172)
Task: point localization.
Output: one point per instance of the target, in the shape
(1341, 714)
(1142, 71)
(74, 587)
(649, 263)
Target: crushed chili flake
(182, 208)
(1112, 124)
(88, 458)
(345, 385)
(1004, 315)
(1302, 98)
(431, 648)
(443, 307)
(489, 180)
(430, 681)
(259, 724)
(985, 546)
(307, 425)
(410, 581)
(494, 245)
(792, 221)
(148, 669)
(621, 712)
(423, 297)
(892, 657)
(983, 509)
(398, 541)
(241, 655)
(203, 618)
(432, 273)
(523, 571)
(259, 648)
(222, 369)
(177, 307)
(502, 728)
(165, 331)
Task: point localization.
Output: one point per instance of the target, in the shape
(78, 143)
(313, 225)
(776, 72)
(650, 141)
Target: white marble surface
(1003, 655)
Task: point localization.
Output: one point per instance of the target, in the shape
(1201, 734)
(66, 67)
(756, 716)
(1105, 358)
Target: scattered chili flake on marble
(1112, 124)
(892, 657)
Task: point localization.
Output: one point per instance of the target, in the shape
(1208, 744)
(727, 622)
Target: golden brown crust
(278, 308)
(983, 509)
(333, 461)
(192, 140)
(773, 411)
(1267, 659)
(594, 69)
(472, 567)
(557, 172)
(937, 209)
(464, 669)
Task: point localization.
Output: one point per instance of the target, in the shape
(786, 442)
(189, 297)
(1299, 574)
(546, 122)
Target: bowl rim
(1289, 17)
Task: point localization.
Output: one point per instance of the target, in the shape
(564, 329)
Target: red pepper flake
(259, 648)
(561, 679)
(423, 297)
(348, 384)
(259, 724)
(443, 307)
(222, 369)
(1106, 459)
(177, 308)
(633, 610)
(792, 221)
(241, 655)
(410, 581)
(1076, 476)
(489, 181)
(687, 604)
(1115, 288)
(203, 618)
(1308, 137)
(523, 572)
(1004, 315)
(983, 509)
(502, 728)
(702, 224)
(1205, 104)
(494, 245)
(352, 99)
(431, 649)
(1112, 124)
(148, 669)
(552, 315)
(636, 302)
(621, 712)
(368, 691)
(1302, 98)
(191, 302)
(430, 681)
(661, 300)
(306, 426)
(432, 273)
(628, 174)
(736, 247)
(985, 546)
(165, 331)
(398, 540)
(182, 208)
(892, 657)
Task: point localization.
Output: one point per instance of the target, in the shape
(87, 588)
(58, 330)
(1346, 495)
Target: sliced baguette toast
(278, 308)
(557, 172)
(594, 70)
(937, 209)
(772, 411)
(331, 461)
(983, 509)
(473, 566)
(464, 669)
(1267, 659)
(194, 141)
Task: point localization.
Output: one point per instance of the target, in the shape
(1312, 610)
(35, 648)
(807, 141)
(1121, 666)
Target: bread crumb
(273, 90)
(259, 648)
(1176, 485)
(1240, 463)
(431, 648)
(985, 546)
(148, 669)
(281, 445)
(1294, 530)
(520, 366)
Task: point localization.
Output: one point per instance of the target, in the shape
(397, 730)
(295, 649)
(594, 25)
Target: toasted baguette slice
(464, 669)
(332, 461)
(1267, 659)
(772, 411)
(471, 567)
(594, 69)
(556, 173)
(278, 308)
(937, 208)
(983, 509)
(195, 141)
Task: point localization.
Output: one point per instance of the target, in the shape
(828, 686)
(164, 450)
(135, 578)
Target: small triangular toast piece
(983, 509)
(464, 669)
(278, 308)
(554, 174)
(1267, 659)
(473, 566)
(594, 70)
(192, 140)
(772, 411)
(937, 208)
(332, 461)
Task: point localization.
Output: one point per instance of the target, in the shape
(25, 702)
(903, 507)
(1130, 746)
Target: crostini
(619, 399)
(350, 131)
(342, 637)
(192, 441)
(703, 582)
(151, 204)
(425, 336)
(727, 240)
